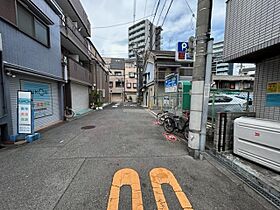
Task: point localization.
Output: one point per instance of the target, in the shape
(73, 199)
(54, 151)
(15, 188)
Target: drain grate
(88, 127)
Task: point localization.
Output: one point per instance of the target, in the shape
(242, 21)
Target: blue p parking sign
(183, 46)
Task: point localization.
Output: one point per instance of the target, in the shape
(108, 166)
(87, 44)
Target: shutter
(40, 122)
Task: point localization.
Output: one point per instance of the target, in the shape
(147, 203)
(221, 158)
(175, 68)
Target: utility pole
(2, 98)
(203, 28)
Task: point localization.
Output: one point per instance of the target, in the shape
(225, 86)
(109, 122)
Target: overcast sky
(179, 24)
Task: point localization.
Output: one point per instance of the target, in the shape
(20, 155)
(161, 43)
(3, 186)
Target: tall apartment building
(218, 66)
(143, 36)
(116, 79)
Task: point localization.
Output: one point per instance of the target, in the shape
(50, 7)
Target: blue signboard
(273, 100)
(42, 97)
(183, 46)
(171, 83)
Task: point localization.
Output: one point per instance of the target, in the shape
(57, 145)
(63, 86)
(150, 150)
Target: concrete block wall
(224, 129)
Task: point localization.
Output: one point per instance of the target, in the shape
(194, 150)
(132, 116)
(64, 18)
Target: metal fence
(171, 102)
(223, 100)
(220, 100)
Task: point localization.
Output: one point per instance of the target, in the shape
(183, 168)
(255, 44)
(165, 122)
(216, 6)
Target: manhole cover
(88, 127)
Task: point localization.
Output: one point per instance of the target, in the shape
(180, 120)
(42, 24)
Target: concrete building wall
(19, 48)
(250, 26)
(130, 80)
(267, 71)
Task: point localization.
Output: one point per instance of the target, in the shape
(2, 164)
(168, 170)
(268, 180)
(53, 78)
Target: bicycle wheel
(160, 118)
(186, 131)
(169, 125)
(68, 113)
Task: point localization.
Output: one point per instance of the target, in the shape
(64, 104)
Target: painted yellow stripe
(123, 177)
(161, 176)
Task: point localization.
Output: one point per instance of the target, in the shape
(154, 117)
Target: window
(134, 85)
(30, 25)
(128, 85)
(41, 32)
(110, 84)
(118, 73)
(25, 21)
(119, 84)
(131, 74)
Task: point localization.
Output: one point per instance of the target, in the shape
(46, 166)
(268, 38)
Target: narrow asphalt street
(73, 168)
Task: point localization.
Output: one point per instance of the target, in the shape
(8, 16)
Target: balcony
(82, 14)
(78, 73)
(75, 10)
(118, 90)
(73, 39)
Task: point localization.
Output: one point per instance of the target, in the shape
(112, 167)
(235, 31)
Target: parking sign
(183, 46)
(183, 52)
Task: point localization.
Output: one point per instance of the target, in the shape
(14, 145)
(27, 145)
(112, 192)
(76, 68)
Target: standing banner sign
(171, 82)
(25, 119)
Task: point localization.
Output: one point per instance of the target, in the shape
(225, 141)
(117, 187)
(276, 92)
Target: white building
(143, 36)
(219, 67)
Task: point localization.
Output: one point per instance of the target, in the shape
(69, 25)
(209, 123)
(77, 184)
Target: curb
(151, 113)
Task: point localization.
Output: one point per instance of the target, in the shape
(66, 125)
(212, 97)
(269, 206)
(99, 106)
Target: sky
(178, 26)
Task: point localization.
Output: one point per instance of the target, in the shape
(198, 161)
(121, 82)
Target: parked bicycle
(177, 123)
(161, 117)
(68, 113)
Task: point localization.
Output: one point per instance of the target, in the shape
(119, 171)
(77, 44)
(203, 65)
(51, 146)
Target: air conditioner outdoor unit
(258, 140)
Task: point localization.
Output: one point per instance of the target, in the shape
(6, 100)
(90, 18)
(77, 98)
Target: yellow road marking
(123, 177)
(161, 176)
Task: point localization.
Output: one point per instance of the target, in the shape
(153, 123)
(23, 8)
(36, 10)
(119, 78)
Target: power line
(157, 6)
(193, 15)
(167, 12)
(121, 24)
(147, 57)
(161, 11)
(155, 14)
(145, 8)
